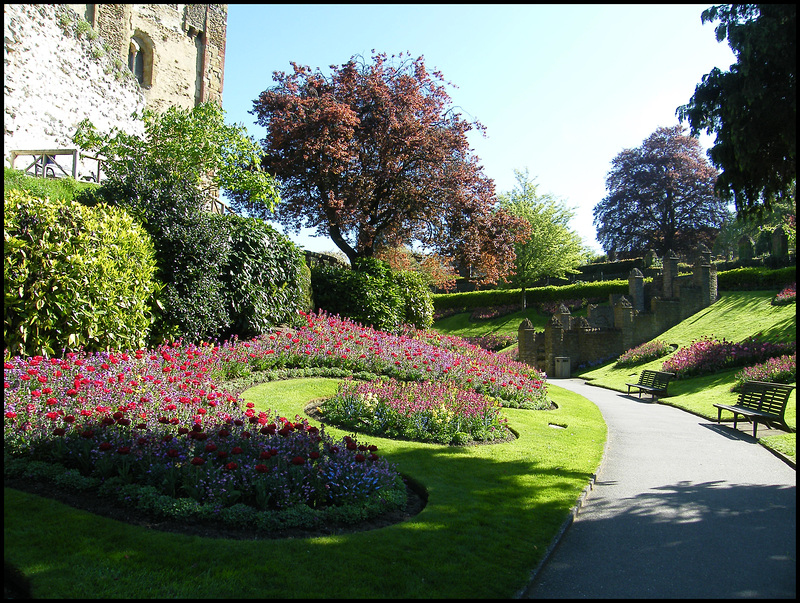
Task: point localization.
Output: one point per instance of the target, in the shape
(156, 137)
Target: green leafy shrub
(366, 293)
(192, 248)
(266, 278)
(417, 299)
(74, 276)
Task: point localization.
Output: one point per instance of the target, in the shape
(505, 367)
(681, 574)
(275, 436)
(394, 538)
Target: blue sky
(561, 89)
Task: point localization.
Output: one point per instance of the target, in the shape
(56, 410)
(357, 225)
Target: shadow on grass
(492, 512)
(475, 538)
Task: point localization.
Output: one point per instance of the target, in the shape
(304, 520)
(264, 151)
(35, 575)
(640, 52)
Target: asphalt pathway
(681, 508)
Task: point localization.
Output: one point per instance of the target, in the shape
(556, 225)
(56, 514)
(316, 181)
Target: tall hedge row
(74, 276)
(729, 280)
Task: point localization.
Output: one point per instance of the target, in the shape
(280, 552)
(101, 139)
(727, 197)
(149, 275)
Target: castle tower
(175, 51)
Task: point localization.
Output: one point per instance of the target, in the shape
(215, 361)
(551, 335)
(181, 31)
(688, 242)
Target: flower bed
(493, 342)
(328, 341)
(781, 369)
(494, 312)
(708, 355)
(644, 353)
(153, 429)
(787, 296)
(156, 421)
(429, 412)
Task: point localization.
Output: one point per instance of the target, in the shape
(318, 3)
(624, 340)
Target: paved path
(682, 508)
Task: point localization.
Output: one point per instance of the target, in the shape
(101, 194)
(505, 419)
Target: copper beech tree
(373, 155)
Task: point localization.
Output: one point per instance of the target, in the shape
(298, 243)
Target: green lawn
(492, 512)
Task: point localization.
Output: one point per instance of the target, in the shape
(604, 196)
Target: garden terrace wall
(629, 320)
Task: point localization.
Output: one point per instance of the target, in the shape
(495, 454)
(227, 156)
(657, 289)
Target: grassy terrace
(735, 316)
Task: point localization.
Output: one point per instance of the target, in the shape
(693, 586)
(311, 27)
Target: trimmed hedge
(74, 276)
(740, 279)
(504, 297)
(748, 279)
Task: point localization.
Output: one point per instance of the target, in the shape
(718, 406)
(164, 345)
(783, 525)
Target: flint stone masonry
(64, 63)
(628, 321)
(53, 80)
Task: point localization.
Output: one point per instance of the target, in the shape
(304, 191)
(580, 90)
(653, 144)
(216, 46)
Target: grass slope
(492, 512)
(735, 316)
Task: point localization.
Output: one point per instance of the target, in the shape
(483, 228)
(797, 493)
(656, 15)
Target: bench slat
(760, 401)
(654, 382)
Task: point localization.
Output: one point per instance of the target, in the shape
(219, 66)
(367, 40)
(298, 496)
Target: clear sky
(561, 89)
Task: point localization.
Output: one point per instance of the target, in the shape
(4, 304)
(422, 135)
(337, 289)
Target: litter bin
(562, 367)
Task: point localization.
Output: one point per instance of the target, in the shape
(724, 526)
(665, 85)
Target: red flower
(298, 460)
(198, 461)
(172, 453)
(59, 431)
(262, 469)
(105, 446)
(264, 455)
(314, 454)
(236, 450)
(210, 447)
(360, 458)
(231, 466)
(124, 450)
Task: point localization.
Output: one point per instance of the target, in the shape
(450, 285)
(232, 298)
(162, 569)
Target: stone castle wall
(54, 78)
(64, 63)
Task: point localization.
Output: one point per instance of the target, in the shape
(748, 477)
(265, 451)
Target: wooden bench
(760, 402)
(654, 382)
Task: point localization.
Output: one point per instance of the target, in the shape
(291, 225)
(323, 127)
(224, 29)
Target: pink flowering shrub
(787, 296)
(708, 355)
(493, 342)
(781, 369)
(644, 353)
